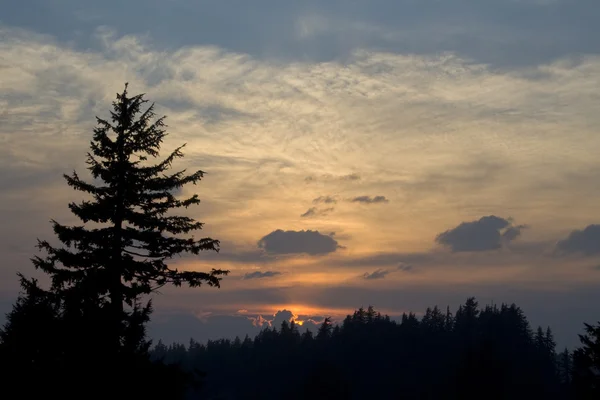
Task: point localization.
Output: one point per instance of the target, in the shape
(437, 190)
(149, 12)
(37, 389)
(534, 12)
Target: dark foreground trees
(89, 327)
(477, 353)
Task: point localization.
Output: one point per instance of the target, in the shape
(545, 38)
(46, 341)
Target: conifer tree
(565, 366)
(550, 342)
(586, 364)
(448, 320)
(26, 339)
(120, 252)
(325, 329)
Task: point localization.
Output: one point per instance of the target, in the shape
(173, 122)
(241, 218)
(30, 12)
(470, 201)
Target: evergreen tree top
(128, 231)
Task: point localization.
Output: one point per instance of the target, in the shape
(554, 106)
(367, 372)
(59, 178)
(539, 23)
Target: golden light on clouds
(440, 140)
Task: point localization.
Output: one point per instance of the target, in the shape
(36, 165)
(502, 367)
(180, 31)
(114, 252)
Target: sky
(394, 153)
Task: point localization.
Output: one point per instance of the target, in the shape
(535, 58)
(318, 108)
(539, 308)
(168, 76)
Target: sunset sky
(398, 153)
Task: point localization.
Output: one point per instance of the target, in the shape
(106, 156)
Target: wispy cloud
(316, 212)
(325, 199)
(261, 275)
(377, 274)
(405, 267)
(332, 178)
(370, 200)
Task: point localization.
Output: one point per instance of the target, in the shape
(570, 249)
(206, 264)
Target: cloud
(181, 326)
(382, 273)
(492, 32)
(325, 199)
(332, 178)
(261, 275)
(311, 325)
(282, 315)
(259, 321)
(487, 233)
(315, 212)
(311, 212)
(350, 177)
(370, 200)
(513, 232)
(586, 242)
(297, 242)
(405, 267)
(378, 274)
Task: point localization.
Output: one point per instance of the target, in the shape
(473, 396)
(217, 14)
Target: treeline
(487, 353)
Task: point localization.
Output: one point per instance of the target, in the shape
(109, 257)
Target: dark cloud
(370, 200)
(280, 316)
(513, 232)
(378, 274)
(382, 273)
(261, 275)
(313, 317)
(586, 242)
(324, 199)
(228, 299)
(311, 324)
(180, 327)
(350, 177)
(329, 177)
(311, 212)
(316, 212)
(259, 321)
(405, 267)
(487, 233)
(296, 242)
(499, 33)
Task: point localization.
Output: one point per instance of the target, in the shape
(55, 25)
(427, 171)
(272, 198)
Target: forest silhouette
(490, 352)
(85, 336)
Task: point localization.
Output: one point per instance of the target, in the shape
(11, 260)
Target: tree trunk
(116, 288)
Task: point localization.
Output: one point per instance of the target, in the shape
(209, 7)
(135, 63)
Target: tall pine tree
(120, 252)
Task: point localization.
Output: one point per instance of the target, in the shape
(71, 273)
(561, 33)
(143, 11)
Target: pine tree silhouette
(121, 251)
(89, 328)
